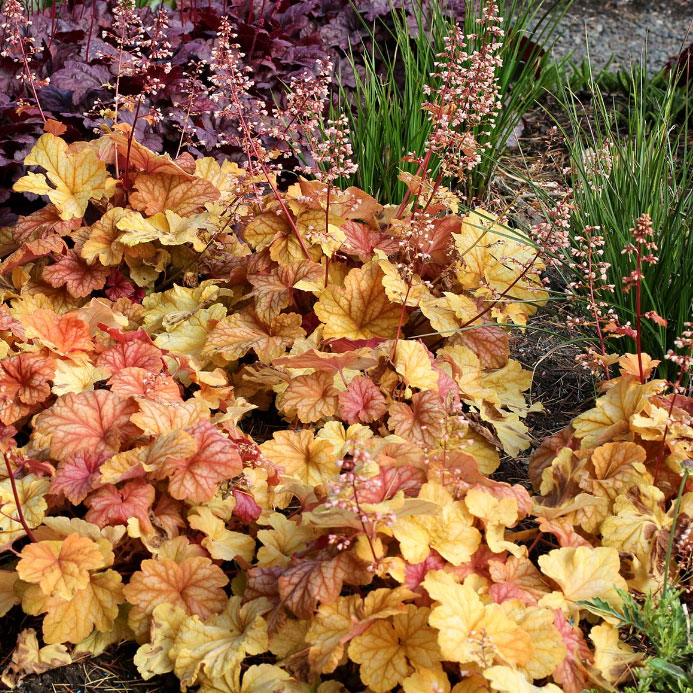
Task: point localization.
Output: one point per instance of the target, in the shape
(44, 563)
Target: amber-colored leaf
(263, 229)
(120, 144)
(391, 649)
(544, 455)
(307, 583)
(335, 624)
(299, 454)
(152, 658)
(168, 228)
(41, 223)
(75, 173)
(608, 420)
(103, 244)
(413, 363)
(564, 530)
(637, 518)
(272, 291)
(469, 630)
(222, 544)
(29, 658)
(585, 573)
(360, 309)
(72, 620)
(362, 240)
(158, 418)
(8, 597)
(505, 679)
(213, 648)
(31, 492)
(630, 365)
(309, 397)
(614, 658)
(162, 191)
(490, 343)
(237, 334)
(422, 422)
(60, 568)
(447, 529)
(521, 575)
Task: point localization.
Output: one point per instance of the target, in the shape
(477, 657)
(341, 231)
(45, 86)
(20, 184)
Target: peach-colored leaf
(79, 278)
(571, 673)
(139, 381)
(196, 478)
(66, 335)
(132, 354)
(115, 506)
(362, 402)
(76, 475)
(97, 421)
(332, 363)
(195, 585)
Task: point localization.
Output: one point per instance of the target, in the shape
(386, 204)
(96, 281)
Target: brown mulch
(111, 672)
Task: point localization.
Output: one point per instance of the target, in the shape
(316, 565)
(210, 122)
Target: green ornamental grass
(625, 164)
(384, 110)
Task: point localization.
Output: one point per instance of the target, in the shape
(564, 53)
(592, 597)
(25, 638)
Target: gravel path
(623, 28)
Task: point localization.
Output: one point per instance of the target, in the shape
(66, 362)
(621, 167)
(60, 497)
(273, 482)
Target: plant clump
(252, 424)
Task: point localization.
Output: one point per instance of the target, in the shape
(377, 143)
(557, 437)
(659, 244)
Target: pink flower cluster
(464, 106)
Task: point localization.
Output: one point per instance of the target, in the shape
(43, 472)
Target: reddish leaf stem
(17, 502)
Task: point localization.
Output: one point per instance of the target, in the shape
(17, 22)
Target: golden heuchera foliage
(224, 447)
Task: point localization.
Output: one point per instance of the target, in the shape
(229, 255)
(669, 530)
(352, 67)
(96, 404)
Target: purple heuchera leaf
(81, 79)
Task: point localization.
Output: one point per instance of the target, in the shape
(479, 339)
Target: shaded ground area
(112, 672)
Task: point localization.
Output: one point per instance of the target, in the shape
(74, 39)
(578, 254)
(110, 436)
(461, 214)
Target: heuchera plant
(254, 429)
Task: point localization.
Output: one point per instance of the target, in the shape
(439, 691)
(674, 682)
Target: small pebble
(626, 29)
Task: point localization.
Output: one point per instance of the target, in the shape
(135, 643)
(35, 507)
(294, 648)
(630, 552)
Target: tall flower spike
(592, 282)
(233, 83)
(18, 44)
(462, 110)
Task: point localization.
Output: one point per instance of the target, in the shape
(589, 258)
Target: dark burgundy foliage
(682, 65)
(280, 38)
